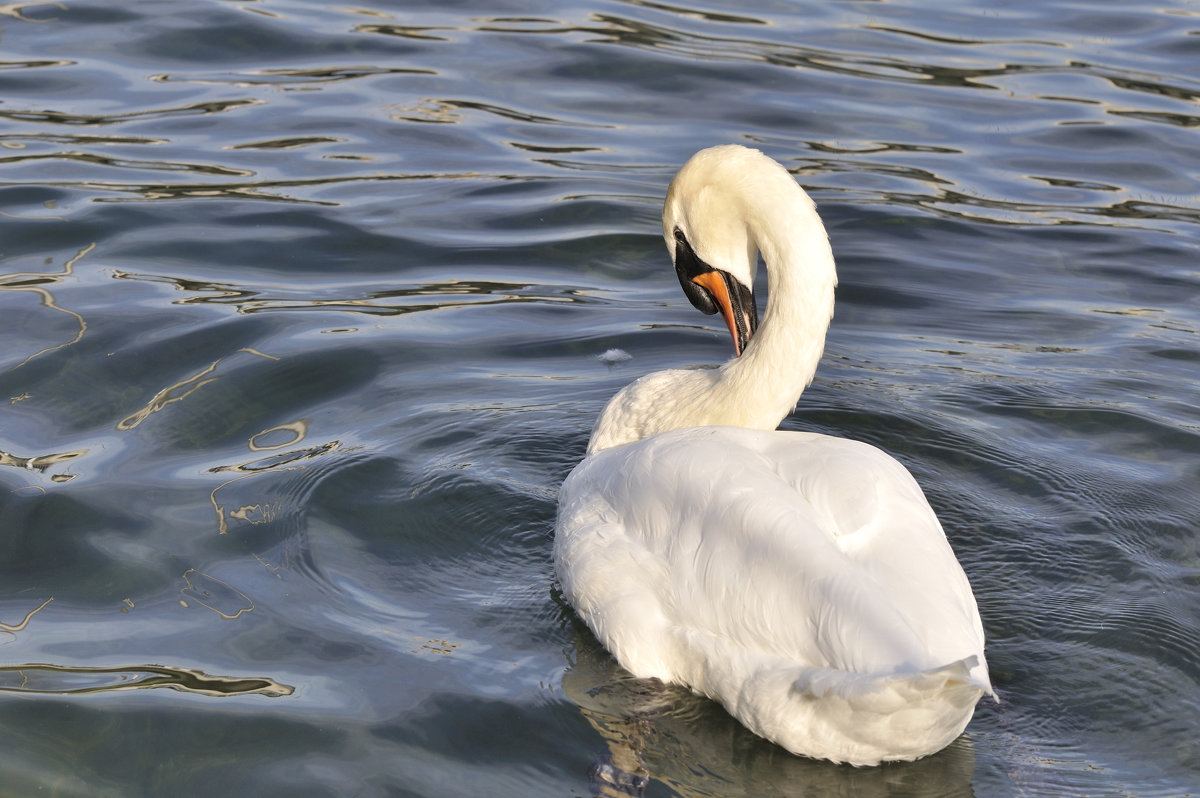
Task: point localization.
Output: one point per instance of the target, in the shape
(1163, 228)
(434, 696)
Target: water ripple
(65, 118)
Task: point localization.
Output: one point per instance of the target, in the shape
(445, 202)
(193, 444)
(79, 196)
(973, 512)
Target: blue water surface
(302, 308)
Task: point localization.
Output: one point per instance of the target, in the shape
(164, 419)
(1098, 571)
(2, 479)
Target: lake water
(302, 305)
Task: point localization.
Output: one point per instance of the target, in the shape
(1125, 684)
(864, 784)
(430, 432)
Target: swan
(801, 580)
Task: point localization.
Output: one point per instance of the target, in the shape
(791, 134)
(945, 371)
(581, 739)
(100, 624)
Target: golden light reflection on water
(79, 680)
(298, 430)
(34, 282)
(214, 594)
(178, 391)
(257, 513)
(175, 392)
(17, 10)
(264, 512)
(12, 629)
(42, 462)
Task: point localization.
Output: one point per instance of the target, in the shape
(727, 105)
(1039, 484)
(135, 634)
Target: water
(302, 305)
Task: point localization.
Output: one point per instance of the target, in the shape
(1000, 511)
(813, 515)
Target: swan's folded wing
(752, 538)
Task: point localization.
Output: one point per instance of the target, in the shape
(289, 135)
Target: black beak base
(688, 266)
(741, 316)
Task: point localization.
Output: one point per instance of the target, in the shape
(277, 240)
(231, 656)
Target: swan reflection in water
(667, 734)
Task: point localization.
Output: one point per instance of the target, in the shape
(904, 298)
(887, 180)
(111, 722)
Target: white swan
(799, 579)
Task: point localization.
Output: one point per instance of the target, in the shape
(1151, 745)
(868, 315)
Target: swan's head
(707, 230)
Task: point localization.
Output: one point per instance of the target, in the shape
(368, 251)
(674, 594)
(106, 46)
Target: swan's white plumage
(801, 580)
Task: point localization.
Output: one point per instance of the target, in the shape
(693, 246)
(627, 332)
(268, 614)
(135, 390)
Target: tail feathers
(966, 675)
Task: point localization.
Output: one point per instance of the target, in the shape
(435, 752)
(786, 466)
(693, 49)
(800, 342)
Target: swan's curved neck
(733, 203)
(781, 358)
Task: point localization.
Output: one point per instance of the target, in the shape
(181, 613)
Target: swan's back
(801, 580)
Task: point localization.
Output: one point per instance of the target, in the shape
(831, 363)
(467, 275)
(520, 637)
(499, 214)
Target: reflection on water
(284, 77)
(178, 391)
(60, 118)
(175, 392)
(35, 283)
(79, 680)
(689, 744)
(1018, 69)
(211, 593)
(268, 439)
(280, 465)
(42, 462)
(12, 629)
(387, 302)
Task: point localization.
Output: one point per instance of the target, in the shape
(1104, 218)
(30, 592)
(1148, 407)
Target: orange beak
(741, 323)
